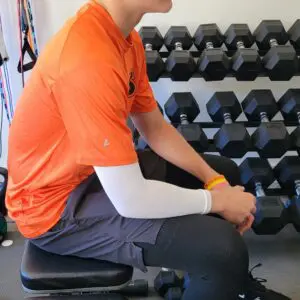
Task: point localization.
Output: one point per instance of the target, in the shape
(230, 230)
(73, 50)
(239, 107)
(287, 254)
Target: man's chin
(169, 7)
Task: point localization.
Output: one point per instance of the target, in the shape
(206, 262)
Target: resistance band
(25, 28)
(8, 87)
(4, 99)
(3, 51)
(33, 38)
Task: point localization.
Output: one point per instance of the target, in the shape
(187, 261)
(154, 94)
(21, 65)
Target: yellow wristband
(214, 182)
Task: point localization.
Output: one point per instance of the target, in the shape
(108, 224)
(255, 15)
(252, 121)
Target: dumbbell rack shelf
(248, 124)
(230, 53)
(212, 148)
(229, 75)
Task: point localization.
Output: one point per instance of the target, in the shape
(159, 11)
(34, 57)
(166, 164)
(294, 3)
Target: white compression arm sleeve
(135, 197)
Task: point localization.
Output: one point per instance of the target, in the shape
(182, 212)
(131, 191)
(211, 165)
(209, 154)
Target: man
(77, 186)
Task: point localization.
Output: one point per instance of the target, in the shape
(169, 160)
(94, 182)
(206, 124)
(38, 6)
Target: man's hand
(244, 227)
(235, 206)
(247, 224)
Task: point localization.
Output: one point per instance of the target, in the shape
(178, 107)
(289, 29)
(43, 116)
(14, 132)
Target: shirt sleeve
(144, 99)
(92, 104)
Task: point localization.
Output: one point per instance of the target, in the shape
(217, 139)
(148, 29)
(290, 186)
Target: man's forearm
(169, 144)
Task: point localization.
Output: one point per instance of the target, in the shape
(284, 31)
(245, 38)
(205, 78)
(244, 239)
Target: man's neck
(124, 18)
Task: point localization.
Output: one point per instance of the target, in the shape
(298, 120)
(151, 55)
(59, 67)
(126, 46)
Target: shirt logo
(131, 84)
(106, 143)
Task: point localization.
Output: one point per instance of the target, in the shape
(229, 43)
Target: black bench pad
(82, 297)
(43, 271)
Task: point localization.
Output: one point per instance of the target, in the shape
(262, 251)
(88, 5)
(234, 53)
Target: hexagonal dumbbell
(183, 108)
(180, 63)
(294, 34)
(271, 216)
(289, 105)
(232, 140)
(168, 285)
(281, 61)
(140, 142)
(271, 139)
(246, 62)
(153, 42)
(288, 175)
(213, 63)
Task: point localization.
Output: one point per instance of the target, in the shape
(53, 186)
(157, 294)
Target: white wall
(51, 14)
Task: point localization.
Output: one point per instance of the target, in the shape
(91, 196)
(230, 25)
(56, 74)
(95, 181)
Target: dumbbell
(213, 63)
(288, 175)
(281, 62)
(180, 63)
(153, 42)
(183, 108)
(271, 139)
(140, 143)
(271, 215)
(232, 140)
(246, 62)
(289, 105)
(168, 285)
(294, 34)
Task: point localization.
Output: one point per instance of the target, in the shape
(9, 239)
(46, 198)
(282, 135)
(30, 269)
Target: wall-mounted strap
(5, 88)
(3, 51)
(26, 49)
(24, 28)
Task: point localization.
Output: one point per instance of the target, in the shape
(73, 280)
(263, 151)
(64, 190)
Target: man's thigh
(155, 167)
(90, 227)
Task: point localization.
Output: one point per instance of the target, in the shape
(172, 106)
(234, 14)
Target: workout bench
(54, 277)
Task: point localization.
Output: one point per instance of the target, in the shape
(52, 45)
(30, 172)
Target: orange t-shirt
(73, 115)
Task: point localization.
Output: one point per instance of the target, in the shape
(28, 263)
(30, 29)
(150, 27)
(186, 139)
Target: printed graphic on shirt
(132, 86)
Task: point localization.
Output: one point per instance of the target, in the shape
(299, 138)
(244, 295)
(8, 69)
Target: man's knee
(235, 252)
(227, 249)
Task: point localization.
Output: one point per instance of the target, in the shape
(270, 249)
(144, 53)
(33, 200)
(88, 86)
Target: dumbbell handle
(184, 119)
(178, 46)
(259, 190)
(148, 47)
(227, 118)
(297, 187)
(240, 45)
(264, 117)
(210, 45)
(273, 43)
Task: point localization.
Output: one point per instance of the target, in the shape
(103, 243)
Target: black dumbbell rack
(258, 40)
(164, 54)
(230, 53)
